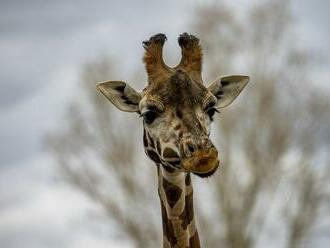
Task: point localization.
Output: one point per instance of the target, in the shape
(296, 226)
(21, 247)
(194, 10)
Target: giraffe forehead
(173, 93)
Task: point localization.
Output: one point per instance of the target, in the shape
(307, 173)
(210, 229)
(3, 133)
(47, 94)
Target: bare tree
(272, 184)
(98, 153)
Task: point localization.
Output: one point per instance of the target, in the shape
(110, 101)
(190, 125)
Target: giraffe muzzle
(201, 161)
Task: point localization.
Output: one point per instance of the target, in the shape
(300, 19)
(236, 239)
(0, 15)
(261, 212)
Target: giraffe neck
(176, 199)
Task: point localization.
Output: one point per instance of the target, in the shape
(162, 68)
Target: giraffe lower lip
(207, 174)
(201, 161)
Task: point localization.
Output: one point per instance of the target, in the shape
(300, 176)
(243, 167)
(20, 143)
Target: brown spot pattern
(179, 113)
(177, 127)
(151, 142)
(172, 192)
(153, 156)
(170, 153)
(194, 241)
(188, 211)
(158, 147)
(175, 163)
(188, 180)
(168, 229)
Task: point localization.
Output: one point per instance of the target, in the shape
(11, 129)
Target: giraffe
(177, 111)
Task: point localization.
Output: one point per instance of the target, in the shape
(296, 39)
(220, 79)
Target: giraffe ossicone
(177, 111)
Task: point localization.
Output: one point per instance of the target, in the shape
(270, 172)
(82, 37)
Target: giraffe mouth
(202, 162)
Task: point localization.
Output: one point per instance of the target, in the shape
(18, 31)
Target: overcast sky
(42, 46)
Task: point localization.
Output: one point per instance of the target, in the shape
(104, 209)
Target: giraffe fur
(177, 110)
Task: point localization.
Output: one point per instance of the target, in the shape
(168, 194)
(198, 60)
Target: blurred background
(72, 169)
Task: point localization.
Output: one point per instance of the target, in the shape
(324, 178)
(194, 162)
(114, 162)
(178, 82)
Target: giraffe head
(176, 107)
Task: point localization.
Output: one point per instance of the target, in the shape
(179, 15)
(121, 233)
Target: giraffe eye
(211, 111)
(149, 116)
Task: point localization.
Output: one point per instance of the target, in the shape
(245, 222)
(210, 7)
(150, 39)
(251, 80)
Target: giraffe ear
(121, 95)
(227, 88)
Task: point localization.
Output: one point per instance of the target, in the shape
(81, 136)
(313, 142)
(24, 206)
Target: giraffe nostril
(191, 147)
(188, 147)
